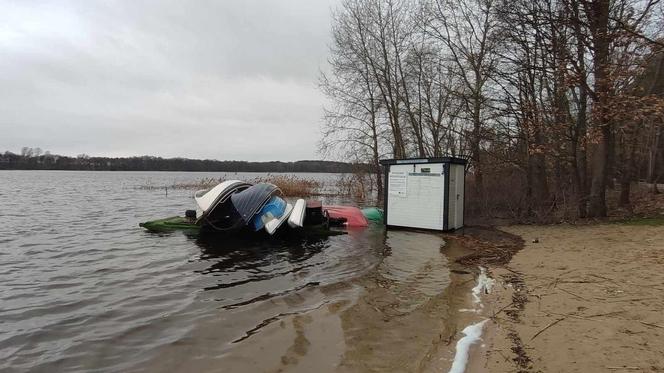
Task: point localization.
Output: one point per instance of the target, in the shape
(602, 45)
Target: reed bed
(358, 186)
(204, 183)
(290, 185)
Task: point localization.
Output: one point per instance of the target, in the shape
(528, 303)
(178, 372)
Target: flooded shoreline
(399, 316)
(83, 287)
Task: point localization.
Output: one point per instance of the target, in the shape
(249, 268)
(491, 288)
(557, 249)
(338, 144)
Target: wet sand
(580, 299)
(397, 327)
(402, 316)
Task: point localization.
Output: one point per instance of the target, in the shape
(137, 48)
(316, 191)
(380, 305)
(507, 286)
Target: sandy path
(591, 299)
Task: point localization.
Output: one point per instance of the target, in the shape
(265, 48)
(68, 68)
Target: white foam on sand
(484, 285)
(472, 334)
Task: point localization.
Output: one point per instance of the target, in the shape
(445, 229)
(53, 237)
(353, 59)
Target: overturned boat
(238, 207)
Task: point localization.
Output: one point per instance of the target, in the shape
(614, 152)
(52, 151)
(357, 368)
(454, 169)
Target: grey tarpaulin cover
(249, 201)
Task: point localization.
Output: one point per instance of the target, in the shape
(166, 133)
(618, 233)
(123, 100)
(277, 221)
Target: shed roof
(454, 160)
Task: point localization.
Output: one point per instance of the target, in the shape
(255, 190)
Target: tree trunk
(580, 144)
(611, 162)
(582, 159)
(627, 153)
(379, 181)
(477, 162)
(598, 14)
(399, 144)
(541, 185)
(537, 163)
(597, 205)
(625, 190)
(652, 159)
(376, 166)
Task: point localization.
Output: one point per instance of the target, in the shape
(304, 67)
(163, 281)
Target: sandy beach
(577, 299)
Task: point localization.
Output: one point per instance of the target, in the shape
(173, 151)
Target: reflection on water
(257, 269)
(415, 266)
(82, 287)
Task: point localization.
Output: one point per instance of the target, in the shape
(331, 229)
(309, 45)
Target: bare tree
(549, 93)
(468, 30)
(378, 27)
(352, 120)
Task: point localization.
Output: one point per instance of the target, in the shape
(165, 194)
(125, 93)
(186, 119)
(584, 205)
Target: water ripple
(82, 288)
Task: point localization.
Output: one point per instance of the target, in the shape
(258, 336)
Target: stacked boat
(234, 206)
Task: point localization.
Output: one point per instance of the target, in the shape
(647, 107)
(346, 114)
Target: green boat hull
(172, 224)
(179, 223)
(373, 214)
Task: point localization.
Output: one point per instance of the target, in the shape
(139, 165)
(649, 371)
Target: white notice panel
(419, 200)
(398, 183)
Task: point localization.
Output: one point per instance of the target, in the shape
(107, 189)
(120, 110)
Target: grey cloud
(214, 79)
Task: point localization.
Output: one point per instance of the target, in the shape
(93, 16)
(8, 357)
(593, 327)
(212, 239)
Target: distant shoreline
(203, 171)
(28, 160)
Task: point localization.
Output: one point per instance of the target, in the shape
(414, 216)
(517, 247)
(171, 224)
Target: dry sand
(578, 299)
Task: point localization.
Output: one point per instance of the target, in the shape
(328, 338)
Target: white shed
(426, 193)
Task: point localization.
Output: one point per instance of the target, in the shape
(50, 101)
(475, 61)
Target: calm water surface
(83, 288)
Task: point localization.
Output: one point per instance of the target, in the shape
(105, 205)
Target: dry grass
(290, 185)
(359, 186)
(204, 183)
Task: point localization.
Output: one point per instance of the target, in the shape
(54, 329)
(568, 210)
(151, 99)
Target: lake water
(83, 288)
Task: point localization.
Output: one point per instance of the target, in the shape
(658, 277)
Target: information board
(398, 184)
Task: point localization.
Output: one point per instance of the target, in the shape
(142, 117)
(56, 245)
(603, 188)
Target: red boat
(353, 215)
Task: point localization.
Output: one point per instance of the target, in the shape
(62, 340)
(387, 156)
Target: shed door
(415, 196)
(460, 189)
(452, 201)
(457, 173)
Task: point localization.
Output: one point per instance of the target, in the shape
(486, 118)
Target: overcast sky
(224, 79)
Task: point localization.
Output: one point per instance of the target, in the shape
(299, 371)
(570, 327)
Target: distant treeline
(29, 159)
